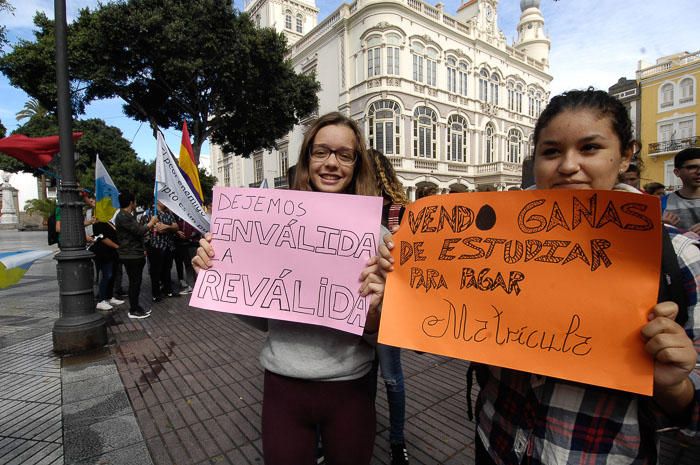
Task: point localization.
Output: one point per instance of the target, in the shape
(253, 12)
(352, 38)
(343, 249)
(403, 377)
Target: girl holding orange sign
(583, 140)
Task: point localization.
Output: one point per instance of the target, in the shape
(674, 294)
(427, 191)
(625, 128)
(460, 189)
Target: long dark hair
(363, 180)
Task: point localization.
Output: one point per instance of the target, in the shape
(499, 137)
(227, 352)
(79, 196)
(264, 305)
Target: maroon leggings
(293, 408)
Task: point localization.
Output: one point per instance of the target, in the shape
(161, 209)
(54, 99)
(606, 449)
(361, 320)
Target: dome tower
(531, 38)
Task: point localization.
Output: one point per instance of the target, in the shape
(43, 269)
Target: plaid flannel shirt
(532, 419)
(164, 240)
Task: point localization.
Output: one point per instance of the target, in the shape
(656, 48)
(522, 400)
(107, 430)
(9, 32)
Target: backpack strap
(395, 214)
(671, 280)
(664, 202)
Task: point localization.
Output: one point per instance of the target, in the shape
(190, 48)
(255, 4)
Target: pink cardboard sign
(290, 255)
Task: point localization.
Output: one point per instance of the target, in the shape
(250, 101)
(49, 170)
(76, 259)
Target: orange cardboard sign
(557, 283)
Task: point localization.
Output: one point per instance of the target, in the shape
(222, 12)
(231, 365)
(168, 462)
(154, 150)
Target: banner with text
(290, 255)
(173, 191)
(557, 283)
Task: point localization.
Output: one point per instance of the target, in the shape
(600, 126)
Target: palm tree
(32, 108)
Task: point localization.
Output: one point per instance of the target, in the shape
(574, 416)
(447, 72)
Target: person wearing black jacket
(130, 236)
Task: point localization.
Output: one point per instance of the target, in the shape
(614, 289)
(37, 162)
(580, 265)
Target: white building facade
(443, 96)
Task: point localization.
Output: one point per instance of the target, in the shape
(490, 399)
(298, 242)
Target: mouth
(330, 178)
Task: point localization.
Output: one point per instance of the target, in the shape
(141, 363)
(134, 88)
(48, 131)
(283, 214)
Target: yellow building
(669, 118)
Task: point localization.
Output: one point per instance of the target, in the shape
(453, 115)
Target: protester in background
(160, 249)
(316, 376)
(389, 356)
(631, 176)
(583, 140)
(655, 188)
(130, 237)
(682, 207)
(186, 243)
(106, 259)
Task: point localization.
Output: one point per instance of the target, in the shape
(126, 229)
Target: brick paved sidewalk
(195, 384)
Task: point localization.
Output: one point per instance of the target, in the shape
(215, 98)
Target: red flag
(34, 151)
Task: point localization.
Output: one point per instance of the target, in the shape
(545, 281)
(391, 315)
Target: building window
(417, 68)
(667, 95)
(514, 146)
(284, 162)
(519, 98)
(531, 104)
(431, 72)
(300, 21)
(538, 104)
(385, 127)
(666, 132)
(258, 166)
(374, 62)
(424, 133)
(495, 86)
(489, 143)
(257, 20)
(511, 96)
(288, 19)
(227, 175)
(483, 85)
(451, 75)
(457, 138)
(463, 76)
(687, 94)
(392, 60)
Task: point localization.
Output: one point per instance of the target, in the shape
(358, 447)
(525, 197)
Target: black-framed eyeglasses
(344, 156)
(692, 168)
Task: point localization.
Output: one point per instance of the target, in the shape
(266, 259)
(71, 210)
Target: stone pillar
(8, 213)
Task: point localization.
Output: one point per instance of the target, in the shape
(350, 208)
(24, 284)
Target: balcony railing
(674, 145)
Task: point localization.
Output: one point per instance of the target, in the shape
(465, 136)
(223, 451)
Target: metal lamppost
(79, 326)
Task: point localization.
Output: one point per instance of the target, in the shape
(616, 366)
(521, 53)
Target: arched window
(495, 85)
(490, 148)
(451, 64)
(483, 85)
(257, 20)
(424, 133)
(538, 104)
(531, 103)
(392, 53)
(667, 95)
(519, 98)
(514, 146)
(511, 95)
(687, 94)
(431, 67)
(300, 21)
(457, 138)
(288, 19)
(463, 74)
(385, 127)
(417, 49)
(374, 56)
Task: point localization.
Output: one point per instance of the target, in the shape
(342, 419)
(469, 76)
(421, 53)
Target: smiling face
(330, 175)
(579, 149)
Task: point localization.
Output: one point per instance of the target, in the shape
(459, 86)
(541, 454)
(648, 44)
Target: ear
(676, 171)
(627, 155)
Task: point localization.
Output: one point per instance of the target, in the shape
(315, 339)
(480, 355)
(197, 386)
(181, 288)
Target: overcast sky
(594, 43)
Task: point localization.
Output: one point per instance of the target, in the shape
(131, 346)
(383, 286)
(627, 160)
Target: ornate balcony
(673, 145)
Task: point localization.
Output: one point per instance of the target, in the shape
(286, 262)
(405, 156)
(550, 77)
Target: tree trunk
(42, 187)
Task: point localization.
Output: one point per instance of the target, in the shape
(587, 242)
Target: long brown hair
(363, 180)
(387, 181)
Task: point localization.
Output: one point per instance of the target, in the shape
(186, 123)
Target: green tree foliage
(125, 168)
(170, 60)
(5, 7)
(32, 109)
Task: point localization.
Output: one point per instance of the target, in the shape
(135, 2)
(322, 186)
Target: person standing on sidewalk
(318, 378)
(583, 140)
(186, 243)
(106, 258)
(160, 249)
(130, 236)
(390, 357)
(682, 207)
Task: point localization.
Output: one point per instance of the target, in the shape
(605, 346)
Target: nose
(332, 160)
(569, 163)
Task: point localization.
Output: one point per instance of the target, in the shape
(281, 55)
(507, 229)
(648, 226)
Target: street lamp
(78, 327)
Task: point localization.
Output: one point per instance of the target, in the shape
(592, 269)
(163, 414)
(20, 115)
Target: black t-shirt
(103, 252)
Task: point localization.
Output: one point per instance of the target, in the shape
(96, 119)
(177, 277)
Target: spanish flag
(188, 167)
